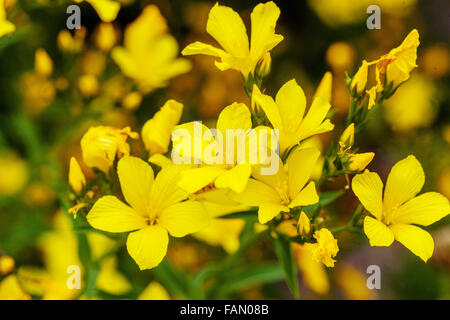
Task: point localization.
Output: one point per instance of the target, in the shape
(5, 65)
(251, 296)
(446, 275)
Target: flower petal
(183, 218)
(107, 10)
(236, 178)
(112, 215)
(368, 188)
(404, 181)
(263, 38)
(307, 196)
(314, 121)
(255, 193)
(234, 116)
(291, 102)
(227, 27)
(417, 240)
(269, 107)
(300, 164)
(378, 233)
(192, 180)
(198, 47)
(165, 191)
(423, 210)
(267, 211)
(136, 180)
(148, 246)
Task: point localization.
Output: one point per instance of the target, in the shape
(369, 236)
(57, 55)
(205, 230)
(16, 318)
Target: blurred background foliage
(44, 113)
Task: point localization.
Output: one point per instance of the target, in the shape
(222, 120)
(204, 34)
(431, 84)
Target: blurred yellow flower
(77, 179)
(414, 104)
(10, 289)
(132, 100)
(7, 264)
(14, 173)
(288, 188)
(38, 92)
(157, 208)
(88, 85)
(397, 213)
(156, 132)
(105, 36)
(154, 291)
(101, 144)
(43, 64)
(107, 10)
(353, 283)
(325, 249)
(69, 43)
(6, 27)
(149, 55)
(324, 89)
(227, 27)
(287, 114)
(340, 56)
(313, 272)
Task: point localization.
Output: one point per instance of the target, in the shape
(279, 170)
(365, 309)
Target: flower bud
(360, 78)
(43, 64)
(304, 225)
(76, 177)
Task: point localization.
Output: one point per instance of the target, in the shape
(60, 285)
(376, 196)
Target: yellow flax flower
(287, 114)
(231, 175)
(399, 62)
(399, 211)
(227, 28)
(107, 10)
(149, 55)
(325, 249)
(156, 131)
(288, 188)
(360, 78)
(77, 180)
(6, 27)
(156, 209)
(101, 144)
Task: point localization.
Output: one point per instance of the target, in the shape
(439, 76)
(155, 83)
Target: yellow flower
(313, 273)
(227, 27)
(6, 265)
(288, 188)
(14, 173)
(88, 85)
(231, 175)
(77, 179)
(101, 144)
(107, 10)
(353, 282)
(304, 225)
(67, 42)
(360, 78)
(6, 27)
(106, 36)
(399, 211)
(287, 114)
(156, 209)
(325, 249)
(43, 64)
(414, 104)
(372, 94)
(156, 131)
(149, 55)
(132, 100)
(154, 291)
(10, 289)
(399, 62)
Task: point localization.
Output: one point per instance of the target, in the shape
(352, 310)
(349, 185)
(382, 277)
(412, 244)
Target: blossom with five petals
(399, 211)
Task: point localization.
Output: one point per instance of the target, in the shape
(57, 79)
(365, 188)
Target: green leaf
(176, 281)
(283, 252)
(249, 215)
(325, 199)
